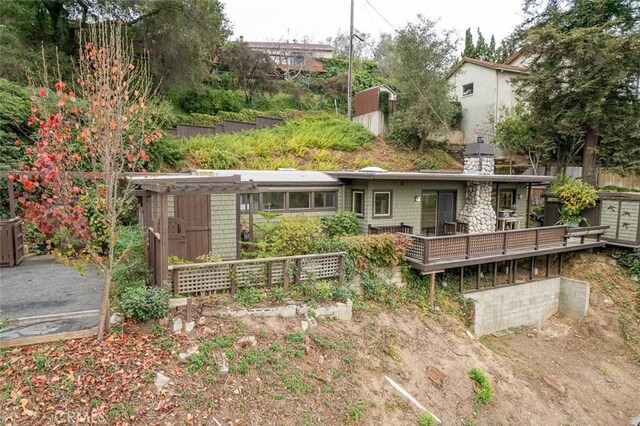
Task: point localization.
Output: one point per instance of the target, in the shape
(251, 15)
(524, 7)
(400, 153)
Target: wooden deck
(429, 254)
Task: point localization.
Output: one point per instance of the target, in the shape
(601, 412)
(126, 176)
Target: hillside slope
(566, 372)
(311, 142)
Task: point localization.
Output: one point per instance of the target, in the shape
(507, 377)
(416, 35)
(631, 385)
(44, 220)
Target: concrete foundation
(341, 311)
(528, 304)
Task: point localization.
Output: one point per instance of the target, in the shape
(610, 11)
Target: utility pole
(349, 84)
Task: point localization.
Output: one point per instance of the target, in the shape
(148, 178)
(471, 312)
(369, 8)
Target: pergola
(153, 193)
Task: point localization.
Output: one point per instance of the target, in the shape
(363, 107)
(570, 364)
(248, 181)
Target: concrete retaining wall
(528, 304)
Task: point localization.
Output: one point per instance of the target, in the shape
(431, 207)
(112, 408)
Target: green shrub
(340, 224)
(175, 260)
(382, 250)
(165, 150)
(484, 391)
(248, 296)
(295, 235)
(426, 420)
(575, 196)
(144, 303)
(210, 101)
(209, 258)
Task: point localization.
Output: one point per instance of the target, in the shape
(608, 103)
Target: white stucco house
(484, 88)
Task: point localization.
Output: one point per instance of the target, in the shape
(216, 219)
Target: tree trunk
(103, 321)
(589, 155)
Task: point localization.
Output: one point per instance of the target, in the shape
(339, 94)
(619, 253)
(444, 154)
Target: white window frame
(390, 194)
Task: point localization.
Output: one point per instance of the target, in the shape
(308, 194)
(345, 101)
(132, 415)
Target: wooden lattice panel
(208, 278)
(486, 244)
(251, 274)
(447, 247)
(525, 239)
(320, 267)
(416, 249)
(551, 236)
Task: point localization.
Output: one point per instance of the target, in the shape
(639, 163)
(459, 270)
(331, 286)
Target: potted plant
(575, 197)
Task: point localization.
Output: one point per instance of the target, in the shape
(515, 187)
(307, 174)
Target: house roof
(437, 176)
(276, 177)
(486, 64)
(289, 46)
(513, 57)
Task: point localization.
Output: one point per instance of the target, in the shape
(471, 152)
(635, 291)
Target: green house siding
(223, 225)
(521, 197)
(404, 207)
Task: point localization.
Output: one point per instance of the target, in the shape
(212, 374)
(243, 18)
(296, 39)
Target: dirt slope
(567, 372)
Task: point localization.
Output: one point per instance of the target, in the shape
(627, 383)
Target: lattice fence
(202, 278)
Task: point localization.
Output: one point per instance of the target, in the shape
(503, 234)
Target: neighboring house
(294, 58)
(373, 107)
(484, 89)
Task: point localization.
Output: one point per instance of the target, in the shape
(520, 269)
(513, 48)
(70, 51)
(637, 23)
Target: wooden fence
(11, 242)
(607, 178)
(429, 249)
(231, 275)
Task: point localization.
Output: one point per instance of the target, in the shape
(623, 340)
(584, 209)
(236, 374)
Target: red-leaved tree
(87, 140)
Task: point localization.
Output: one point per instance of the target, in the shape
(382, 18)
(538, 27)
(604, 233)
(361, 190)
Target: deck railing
(430, 249)
(391, 229)
(230, 275)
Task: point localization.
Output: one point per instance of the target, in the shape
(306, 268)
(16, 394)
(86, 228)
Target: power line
(380, 15)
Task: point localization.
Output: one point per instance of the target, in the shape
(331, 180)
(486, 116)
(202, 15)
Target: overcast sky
(272, 20)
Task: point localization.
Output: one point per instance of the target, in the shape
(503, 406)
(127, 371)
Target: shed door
(195, 211)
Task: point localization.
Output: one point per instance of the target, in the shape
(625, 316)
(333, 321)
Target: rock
(635, 421)
(554, 383)
(177, 325)
(202, 320)
(470, 335)
(248, 341)
(206, 330)
(184, 355)
(224, 368)
(607, 302)
(304, 325)
(116, 319)
(161, 380)
(189, 326)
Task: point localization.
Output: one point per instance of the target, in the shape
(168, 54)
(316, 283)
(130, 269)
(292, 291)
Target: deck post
(529, 210)
(425, 255)
(537, 234)
(341, 269)
(164, 237)
(532, 268)
(560, 259)
(238, 227)
(495, 273)
(432, 290)
(478, 276)
(12, 202)
(251, 195)
(468, 246)
(461, 279)
(548, 266)
(515, 270)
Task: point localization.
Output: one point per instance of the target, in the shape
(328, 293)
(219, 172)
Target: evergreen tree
(480, 51)
(491, 50)
(582, 86)
(469, 49)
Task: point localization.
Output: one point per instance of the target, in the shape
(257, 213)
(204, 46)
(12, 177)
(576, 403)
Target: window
(357, 203)
(507, 199)
(324, 200)
(299, 200)
(382, 203)
(467, 89)
(273, 200)
(244, 202)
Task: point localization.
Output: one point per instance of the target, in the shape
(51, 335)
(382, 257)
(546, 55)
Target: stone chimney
(478, 210)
